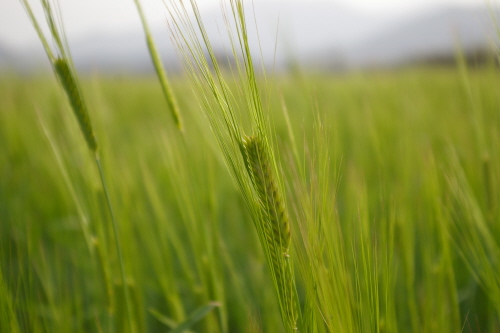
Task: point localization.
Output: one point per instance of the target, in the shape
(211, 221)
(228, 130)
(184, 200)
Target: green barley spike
(274, 224)
(265, 184)
(70, 86)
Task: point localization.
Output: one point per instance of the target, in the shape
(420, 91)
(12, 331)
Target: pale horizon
(97, 16)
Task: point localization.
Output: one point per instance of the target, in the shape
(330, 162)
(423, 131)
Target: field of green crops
(391, 181)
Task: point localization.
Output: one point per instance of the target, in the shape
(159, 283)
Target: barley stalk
(63, 69)
(104, 275)
(250, 161)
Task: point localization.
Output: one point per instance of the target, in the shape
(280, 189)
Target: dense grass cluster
(415, 213)
(347, 203)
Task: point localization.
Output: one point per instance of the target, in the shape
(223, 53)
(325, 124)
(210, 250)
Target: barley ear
(273, 226)
(70, 86)
(269, 195)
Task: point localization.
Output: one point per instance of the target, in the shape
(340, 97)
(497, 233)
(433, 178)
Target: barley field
(299, 202)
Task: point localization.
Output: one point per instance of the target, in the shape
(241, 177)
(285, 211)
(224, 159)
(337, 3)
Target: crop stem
(117, 242)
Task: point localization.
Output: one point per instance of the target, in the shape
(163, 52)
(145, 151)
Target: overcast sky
(83, 17)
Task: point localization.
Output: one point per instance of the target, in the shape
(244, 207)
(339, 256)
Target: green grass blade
(38, 30)
(160, 70)
(195, 317)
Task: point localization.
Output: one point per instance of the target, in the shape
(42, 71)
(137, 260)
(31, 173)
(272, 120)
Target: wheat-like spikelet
(75, 97)
(270, 198)
(273, 223)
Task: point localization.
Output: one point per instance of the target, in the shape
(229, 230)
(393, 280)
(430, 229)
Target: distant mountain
(306, 29)
(5, 57)
(429, 35)
(314, 34)
(125, 51)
